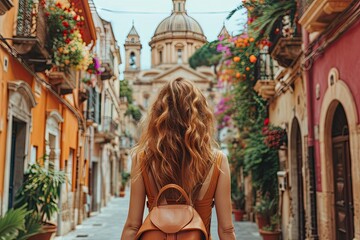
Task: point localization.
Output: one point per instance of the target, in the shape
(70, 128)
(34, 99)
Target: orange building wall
(69, 140)
(38, 124)
(15, 72)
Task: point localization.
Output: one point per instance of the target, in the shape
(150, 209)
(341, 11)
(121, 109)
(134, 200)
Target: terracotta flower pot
(267, 235)
(238, 214)
(48, 231)
(262, 221)
(122, 194)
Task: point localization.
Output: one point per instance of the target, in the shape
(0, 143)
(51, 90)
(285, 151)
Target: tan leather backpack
(172, 222)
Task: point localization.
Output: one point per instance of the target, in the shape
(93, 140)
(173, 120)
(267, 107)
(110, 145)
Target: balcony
(286, 51)
(30, 38)
(5, 6)
(321, 13)
(286, 42)
(108, 131)
(64, 83)
(108, 66)
(264, 73)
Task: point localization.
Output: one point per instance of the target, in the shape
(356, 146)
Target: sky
(146, 24)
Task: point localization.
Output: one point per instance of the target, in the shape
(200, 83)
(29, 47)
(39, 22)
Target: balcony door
(17, 159)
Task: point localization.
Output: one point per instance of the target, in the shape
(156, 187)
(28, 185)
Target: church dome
(179, 22)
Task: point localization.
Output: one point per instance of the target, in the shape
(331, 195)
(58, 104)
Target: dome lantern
(179, 6)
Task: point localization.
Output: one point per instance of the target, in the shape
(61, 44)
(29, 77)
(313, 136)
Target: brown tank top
(203, 206)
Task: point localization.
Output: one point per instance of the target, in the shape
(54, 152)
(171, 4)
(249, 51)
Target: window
(179, 56)
(132, 60)
(132, 40)
(179, 6)
(69, 166)
(146, 102)
(160, 57)
(34, 150)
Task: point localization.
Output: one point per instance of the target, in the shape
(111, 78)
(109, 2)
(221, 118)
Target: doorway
(17, 158)
(297, 163)
(343, 202)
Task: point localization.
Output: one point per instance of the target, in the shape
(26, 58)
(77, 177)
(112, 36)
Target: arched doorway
(297, 181)
(343, 202)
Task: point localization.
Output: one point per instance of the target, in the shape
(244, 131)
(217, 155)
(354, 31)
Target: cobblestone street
(108, 224)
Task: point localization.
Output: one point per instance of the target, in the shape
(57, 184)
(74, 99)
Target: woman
(177, 146)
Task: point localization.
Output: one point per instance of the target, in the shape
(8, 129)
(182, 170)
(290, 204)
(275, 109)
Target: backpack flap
(171, 218)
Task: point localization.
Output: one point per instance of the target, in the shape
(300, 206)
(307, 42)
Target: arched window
(132, 40)
(132, 60)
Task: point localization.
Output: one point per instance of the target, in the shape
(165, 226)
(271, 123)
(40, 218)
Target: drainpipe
(311, 154)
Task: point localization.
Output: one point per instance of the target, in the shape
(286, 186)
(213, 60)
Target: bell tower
(132, 54)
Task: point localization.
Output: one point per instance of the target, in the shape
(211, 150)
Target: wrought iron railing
(31, 20)
(93, 108)
(109, 125)
(264, 66)
(284, 28)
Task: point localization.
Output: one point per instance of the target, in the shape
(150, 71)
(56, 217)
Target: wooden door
(299, 160)
(344, 211)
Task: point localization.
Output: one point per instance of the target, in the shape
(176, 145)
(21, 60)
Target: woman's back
(176, 146)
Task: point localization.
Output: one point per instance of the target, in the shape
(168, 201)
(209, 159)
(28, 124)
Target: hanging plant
(65, 40)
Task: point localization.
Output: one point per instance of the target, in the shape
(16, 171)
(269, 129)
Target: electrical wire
(154, 13)
(12, 51)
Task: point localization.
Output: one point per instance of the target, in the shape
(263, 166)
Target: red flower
(47, 14)
(59, 5)
(266, 121)
(65, 24)
(68, 40)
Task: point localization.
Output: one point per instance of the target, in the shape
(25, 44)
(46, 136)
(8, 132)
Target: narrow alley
(108, 224)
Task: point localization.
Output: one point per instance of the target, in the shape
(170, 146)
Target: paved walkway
(108, 224)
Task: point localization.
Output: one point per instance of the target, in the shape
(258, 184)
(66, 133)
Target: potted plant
(40, 193)
(239, 204)
(14, 226)
(264, 210)
(125, 176)
(271, 231)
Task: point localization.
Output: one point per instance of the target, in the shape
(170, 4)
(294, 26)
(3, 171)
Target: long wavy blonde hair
(178, 137)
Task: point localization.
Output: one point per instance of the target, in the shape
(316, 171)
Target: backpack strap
(214, 178)
(148, 188)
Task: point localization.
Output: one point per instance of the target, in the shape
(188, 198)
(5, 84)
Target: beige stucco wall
(283, 110)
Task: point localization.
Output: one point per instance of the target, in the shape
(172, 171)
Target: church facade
(175, 39)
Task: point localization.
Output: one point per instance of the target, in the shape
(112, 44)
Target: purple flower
(226, 118)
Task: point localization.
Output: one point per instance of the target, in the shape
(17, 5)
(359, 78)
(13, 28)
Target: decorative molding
(321, 13)
(5, 6)
(55, 115)
(24, 89)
